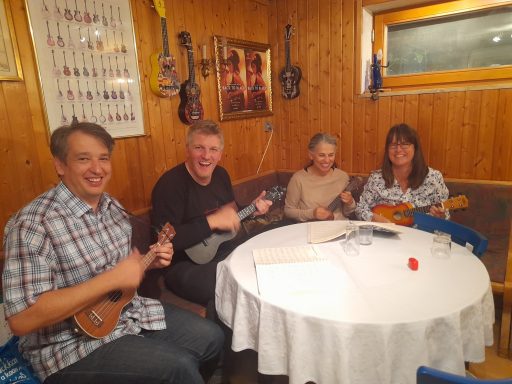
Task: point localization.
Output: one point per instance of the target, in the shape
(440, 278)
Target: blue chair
(426, 375)
(460, 233)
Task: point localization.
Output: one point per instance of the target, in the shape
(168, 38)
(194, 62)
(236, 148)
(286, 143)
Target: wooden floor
(494, 367)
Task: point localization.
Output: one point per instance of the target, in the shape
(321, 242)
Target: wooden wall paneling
(325, 71)
(358, 138)
(336, 73)
(502, 170)
(347, 85)
(411, 110)
(469, 145)
(369, 134)
(424, 124)
(439, 131)
(486, 134)
(314, 69)
(300, 137)
(136, 191)
(383, 125)
(455, 119)
(397, 110)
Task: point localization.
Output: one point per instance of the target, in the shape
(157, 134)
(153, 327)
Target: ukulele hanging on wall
(164, 79)
(290, 75)
(190, 108)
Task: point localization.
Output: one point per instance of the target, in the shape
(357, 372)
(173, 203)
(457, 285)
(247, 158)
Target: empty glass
(441, 245)
(365, 234)
(351, 242)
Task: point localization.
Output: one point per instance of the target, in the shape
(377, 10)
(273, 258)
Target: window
(452, 43)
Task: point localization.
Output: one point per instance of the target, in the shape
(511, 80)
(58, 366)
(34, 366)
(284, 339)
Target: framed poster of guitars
(87, 61)
(243, 78)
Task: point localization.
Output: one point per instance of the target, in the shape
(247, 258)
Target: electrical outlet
(268, 126)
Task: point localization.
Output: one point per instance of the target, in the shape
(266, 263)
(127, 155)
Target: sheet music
(291, 270)
(321, 231)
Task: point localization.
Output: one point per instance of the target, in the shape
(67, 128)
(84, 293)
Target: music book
(290, 270)
(322, 231)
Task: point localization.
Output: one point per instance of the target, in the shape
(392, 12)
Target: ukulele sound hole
(114, 296)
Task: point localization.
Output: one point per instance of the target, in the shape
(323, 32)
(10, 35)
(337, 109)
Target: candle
(204, 51)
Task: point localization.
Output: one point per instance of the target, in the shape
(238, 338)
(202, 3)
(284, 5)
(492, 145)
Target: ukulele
(76, 72)
(60, 40)
(74, 119)
(84, 118)
(98, 94)
(77, 16)
(45, 11)
(71, 44)
(63, 118)
(56, 71)
(110, 70)
(85, 72)
(88, 93)
(164, 79)
(95, 16)
(104, 20)
(83, 43)
(354, 184)
(112, 20)
(67, 13)
(110, 117)
(125, 115)
(113, 93)
(403, 214)
(94, 70)
(80, 93)
(56, 11)
(90, 45)
(290, 75)
(132, 115)
(119, 16)
(70, 95)
(93, 118)
(123, 46)
(100, 319)
(99, 43)
(118, 116)
(49, 37)
(204, 251)
(60, 96)
(121, 92)
(190, 108)
(118, 71)
(87, 15)
(66, 70)
(116, 47)
(102, 117)
(105, 92)
(125, 70)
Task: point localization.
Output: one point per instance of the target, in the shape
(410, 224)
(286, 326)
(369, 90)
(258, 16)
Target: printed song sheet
(291, 270)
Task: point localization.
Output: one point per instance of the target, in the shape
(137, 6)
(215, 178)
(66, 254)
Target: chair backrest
(426, 375)
(460, 233)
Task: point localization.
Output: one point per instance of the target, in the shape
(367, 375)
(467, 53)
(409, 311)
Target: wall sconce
(205, 63)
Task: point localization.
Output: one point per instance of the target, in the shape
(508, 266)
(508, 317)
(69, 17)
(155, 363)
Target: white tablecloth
(378, 322)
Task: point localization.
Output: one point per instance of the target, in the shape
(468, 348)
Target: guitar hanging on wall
(164, 79)
(190, 108)
(290, 75)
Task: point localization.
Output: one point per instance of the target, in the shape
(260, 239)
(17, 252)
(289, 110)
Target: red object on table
(413, 263)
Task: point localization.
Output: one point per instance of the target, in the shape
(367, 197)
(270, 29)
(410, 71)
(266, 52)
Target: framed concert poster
(243, 78)
(10, 65)
(87, 61)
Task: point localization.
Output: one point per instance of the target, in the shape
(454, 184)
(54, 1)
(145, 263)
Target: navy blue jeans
(179, 354)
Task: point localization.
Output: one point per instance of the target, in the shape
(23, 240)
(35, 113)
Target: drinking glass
(441, 245)
(365, 234)
(351, 242)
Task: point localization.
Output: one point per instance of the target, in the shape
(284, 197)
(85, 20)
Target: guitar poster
(87, 61)
(243, 78)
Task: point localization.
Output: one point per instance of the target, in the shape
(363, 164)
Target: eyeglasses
(394, 146)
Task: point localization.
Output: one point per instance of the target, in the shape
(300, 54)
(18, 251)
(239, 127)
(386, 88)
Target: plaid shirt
(57, 241)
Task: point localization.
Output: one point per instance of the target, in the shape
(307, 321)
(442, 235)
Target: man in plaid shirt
(68, 249)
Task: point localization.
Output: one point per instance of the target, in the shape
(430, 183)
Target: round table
(371, 320)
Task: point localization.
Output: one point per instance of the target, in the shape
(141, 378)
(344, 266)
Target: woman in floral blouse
(404, 177)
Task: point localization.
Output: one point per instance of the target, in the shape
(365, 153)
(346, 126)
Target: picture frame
(87, 62)
(10, 64)
(244, 80)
